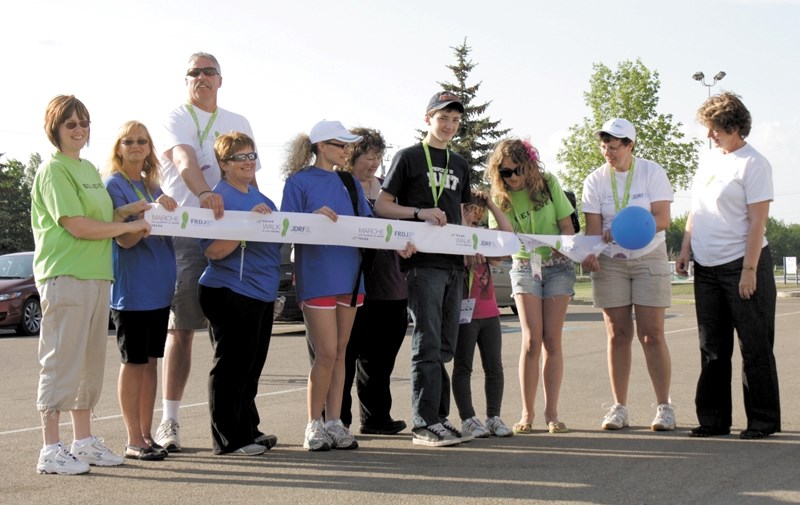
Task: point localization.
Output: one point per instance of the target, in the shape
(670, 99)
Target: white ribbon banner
(574, 247)
(291, 227)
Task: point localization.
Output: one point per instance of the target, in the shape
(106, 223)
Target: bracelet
(416, 213)
(203, 192)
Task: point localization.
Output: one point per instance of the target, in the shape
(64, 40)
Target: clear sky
(287, 65)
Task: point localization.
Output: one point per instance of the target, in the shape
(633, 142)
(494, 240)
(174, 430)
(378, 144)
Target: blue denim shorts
(558, 279)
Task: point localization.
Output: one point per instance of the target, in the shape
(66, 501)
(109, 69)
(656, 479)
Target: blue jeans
(434, 304)
(720, 310)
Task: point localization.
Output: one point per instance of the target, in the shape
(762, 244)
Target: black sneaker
(434, 435)
(390, 427)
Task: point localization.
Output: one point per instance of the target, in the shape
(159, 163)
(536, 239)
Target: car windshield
(16, 267)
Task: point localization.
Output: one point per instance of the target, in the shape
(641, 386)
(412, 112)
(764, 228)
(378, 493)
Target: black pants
(240, 330)
(378, 332)
(720, 310)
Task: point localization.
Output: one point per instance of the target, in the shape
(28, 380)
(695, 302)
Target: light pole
(701, 78)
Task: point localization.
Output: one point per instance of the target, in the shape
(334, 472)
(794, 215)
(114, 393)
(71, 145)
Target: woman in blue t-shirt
(144, 280)
(326, 276)
(237, 294)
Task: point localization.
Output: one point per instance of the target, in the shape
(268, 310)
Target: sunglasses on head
(506, 173)
(242, 157)
(71, 125)
(207, 71)
(129, 142)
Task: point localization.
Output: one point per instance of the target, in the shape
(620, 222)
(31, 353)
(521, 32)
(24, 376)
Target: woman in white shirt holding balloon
(633, 279)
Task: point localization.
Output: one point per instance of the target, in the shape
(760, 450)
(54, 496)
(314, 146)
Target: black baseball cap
(444, 99)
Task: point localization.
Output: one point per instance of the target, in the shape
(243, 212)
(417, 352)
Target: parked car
(286, 289)
(502, 285)
(19, 298)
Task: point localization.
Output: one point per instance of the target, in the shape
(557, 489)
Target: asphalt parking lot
(588, 465)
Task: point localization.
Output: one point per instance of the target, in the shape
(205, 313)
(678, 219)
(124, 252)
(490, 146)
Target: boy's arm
(387, 207)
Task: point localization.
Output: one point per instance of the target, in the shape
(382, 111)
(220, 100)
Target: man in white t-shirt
(189, 172)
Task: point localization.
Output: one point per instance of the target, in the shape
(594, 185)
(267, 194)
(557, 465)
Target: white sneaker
(168, 435)
(315, 438)
(60, 461)
(474, 427)
(340, 435)
(665, 418)
(95, 452)
(464, 437)
(617, 418)
(498, 428)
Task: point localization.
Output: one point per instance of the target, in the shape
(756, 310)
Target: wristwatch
(416, 213)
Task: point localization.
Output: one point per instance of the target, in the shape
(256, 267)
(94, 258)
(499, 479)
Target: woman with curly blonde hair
(541, 280)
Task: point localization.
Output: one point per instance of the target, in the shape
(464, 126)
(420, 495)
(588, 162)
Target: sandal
(143, 453)
(522, 429)
(557, 427)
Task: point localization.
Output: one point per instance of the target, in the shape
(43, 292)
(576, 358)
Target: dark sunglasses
(71, 125)
(506, 173)
(341, 146)
(208, 71)
(242, 157)
(129, 142)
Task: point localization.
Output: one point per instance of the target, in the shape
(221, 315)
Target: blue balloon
(633, 227)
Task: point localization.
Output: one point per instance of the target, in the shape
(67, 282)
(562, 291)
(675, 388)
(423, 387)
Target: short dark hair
(607, 137)
(726, 112)
(59, 110)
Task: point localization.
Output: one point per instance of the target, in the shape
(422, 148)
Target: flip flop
(522, 429)
(557, 427)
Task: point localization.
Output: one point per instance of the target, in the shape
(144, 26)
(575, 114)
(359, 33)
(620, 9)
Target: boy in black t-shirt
(428, 182)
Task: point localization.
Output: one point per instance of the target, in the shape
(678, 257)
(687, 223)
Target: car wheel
(31, 318)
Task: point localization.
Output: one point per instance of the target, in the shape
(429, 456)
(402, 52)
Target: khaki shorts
(72, 343)
(641, 281)
(185, 312)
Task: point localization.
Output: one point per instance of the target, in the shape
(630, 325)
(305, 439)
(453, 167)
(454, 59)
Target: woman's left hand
(327, 211)
(167, 202)
(262, 208)
(747, 284)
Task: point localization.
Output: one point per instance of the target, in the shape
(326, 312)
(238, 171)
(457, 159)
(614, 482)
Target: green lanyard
(518, 218)
(471, 278)
(202, 136)
(139, 193)
(628, 182)
(432, 177)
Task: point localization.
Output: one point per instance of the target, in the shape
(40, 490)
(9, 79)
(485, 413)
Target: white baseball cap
(619, 128)
(332, 130)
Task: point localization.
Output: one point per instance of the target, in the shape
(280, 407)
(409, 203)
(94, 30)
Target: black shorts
(141, 334)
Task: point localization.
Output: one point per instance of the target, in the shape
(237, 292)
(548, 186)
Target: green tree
(784, 240)
(630, 92)
(674, 235)
(16, 181)
(478, 133)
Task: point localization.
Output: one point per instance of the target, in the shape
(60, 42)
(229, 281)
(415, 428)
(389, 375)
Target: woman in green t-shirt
(73, 222)
(541, 280)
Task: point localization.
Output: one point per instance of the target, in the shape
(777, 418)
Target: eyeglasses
(506, 173)
(341, 146)
(71, 125)
(242, 157)
(207, 71)
(129, 142)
